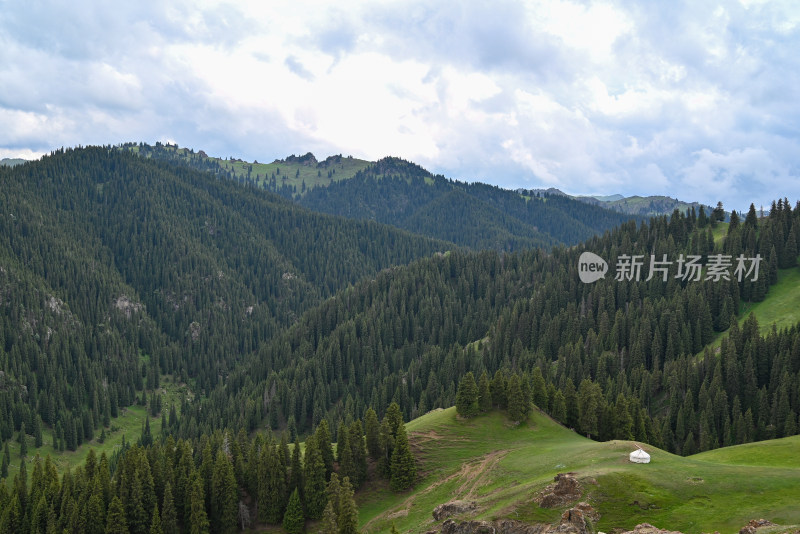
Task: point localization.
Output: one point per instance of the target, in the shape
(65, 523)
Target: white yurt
(640, 457)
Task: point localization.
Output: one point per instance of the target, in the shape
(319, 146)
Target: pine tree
(623, 422)
(404, 470)
(539, 389)
(115, 519)
(467, 397)
(155, 525)
(484, 393)
(23, 442)
(517, 411)
(559, 408)
(224, 496)
(6, 461)
(293, 520)
(169, 517)
(314, 481)
(296, 469)
(345, 452)
(323, 437)
(348, 512)
(198, 519)
(329, 524)
(372, 429)
(359, 452)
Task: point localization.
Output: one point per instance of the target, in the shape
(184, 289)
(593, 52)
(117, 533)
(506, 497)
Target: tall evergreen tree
(293, 520)
(198, 518)
(404, 469)
(484, 393)
(169, 516)
(348, 512)
(313, 481)
(467, 397)
(372, 429)
(224, 496)
(115, 519)
(517, 410)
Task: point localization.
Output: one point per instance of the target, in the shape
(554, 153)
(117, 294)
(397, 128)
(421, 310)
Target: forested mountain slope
(476, 215)
(613, 358)
(403, 194)
(114, 268)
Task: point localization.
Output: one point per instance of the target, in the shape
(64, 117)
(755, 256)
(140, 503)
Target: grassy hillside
(502, 467)
(299, 174)
(781, 306)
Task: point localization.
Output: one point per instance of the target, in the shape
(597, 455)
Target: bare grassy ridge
(502, 467)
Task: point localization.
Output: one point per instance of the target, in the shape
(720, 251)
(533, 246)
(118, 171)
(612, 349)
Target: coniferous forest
(289, 325)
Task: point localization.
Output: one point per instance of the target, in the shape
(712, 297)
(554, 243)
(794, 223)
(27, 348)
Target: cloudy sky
(697, 100)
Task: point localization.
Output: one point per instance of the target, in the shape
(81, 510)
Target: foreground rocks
(754, 525)
(573, 521)
(647, 528)
(443, 511)
(563, 491)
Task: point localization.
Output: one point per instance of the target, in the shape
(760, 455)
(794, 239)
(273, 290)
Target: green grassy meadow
(292, 174)
(502, 467)
(128, 425)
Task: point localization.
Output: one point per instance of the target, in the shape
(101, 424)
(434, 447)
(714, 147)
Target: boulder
(754, 525)
(565, 489)
(443, 511)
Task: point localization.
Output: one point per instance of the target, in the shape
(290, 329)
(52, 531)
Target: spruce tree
(345, 452)
(539, 389)
(467, 397)
(313, 481)
(293, 520)
(224, 496)
(517, 411)
(155, 524)
(169, 517)
(23, 442)
(372, 429)
(115, 519)
(359, 452)
(323, 437)
(329, 524)
(484, 393)
(404, 470)
(348, 512)
(198, 519)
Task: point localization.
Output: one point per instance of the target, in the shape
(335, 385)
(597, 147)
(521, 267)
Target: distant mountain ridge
(634, 205)
(11, 162)
(403, 194)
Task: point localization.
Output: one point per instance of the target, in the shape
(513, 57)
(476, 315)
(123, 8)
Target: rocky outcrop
(572, 521)
(647, 528)
(754, 525)
(502, 526)
(564, 490)
(449, 509)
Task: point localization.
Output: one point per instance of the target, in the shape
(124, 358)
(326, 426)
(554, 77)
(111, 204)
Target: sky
(695, 100)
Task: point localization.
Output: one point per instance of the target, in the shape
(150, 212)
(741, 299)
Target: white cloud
(693, 100)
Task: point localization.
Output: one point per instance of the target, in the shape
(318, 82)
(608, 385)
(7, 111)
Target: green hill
(502, 467)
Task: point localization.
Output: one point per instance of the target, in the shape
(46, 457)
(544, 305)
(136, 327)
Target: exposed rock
(452, 508)
(572, 522)
(588, 512)
(754, 525)
(127, 306)
(503, 526)
(647, 528)
(565, 490)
